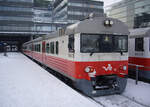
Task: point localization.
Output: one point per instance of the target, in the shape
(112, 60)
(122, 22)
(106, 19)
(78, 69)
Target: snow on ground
(25, 84)
(140, 92)
(134, 96)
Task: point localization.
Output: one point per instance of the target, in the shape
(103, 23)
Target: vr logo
(108, 68)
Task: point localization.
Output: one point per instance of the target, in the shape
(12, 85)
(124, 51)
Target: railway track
(117, 101)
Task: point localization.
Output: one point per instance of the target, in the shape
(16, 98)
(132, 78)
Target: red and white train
(139, 51)
(92, 53)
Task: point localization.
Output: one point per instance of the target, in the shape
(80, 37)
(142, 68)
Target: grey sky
(109, 2)
(106, 2)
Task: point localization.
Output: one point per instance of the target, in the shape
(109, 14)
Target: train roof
(96, 25)
(93, 25)
(140, 32)
(34, 40)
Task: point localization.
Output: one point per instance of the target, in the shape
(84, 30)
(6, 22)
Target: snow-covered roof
(140, 32)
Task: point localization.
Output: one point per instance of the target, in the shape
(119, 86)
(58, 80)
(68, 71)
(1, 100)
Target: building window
(139, 44)
(52, 47)
(71, 43)
(57, 47)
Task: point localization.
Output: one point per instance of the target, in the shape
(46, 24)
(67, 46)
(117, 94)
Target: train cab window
(52, 47)
(96, 43)
(47, 48)
(71, 43)
(57, 47)
(139, 44)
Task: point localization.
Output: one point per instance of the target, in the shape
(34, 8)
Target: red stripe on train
(140, 61)
(77, 69)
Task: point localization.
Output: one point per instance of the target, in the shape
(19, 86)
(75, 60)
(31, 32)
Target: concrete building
(71, 11)
(135, 13)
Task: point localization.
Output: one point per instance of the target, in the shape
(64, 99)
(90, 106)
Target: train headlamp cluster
(108, 23)
(89, 69)
(124, 68)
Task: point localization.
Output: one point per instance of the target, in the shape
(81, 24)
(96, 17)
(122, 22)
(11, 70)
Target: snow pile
(140, 92)
(25, 84)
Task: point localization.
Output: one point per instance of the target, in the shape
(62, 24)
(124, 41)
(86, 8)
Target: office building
(16, 16)
(71, 11)
(135, 13)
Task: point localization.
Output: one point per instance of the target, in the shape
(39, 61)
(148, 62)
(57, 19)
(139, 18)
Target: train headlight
(108, 23)
(111, 22)
(87, 69)
(124, 68)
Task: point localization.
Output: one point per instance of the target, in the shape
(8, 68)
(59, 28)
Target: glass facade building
(16, 16)
(71, 11)
(135, 13)
(42, 20)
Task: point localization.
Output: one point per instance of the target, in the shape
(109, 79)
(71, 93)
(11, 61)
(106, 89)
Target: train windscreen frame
(103, 43)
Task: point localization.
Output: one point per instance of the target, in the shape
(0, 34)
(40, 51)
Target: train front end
(101, 57)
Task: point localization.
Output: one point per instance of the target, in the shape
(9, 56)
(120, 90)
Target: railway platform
(23, 83)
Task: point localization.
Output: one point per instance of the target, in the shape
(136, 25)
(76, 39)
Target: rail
(137, 71)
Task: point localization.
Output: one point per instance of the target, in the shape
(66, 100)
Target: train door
(43, 52)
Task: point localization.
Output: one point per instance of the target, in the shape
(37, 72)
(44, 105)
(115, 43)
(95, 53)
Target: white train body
(92, 53)
(139, 51)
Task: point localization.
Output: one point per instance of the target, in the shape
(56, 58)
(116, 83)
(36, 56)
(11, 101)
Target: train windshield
(97, 43)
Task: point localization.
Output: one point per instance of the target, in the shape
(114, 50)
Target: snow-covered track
(118, 101)
(132, 99)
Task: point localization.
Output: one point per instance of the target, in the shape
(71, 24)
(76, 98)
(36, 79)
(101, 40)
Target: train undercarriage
(102, 85)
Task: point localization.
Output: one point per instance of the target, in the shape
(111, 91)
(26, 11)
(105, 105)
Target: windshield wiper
(92, 51)
(121, 52)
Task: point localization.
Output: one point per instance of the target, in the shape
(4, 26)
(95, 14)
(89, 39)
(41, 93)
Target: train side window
(35, 48)
(149, 44)
(139, 44)
(57, 47)
(47, 48)
(71, 43)
(39, 47)
(52, 47)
